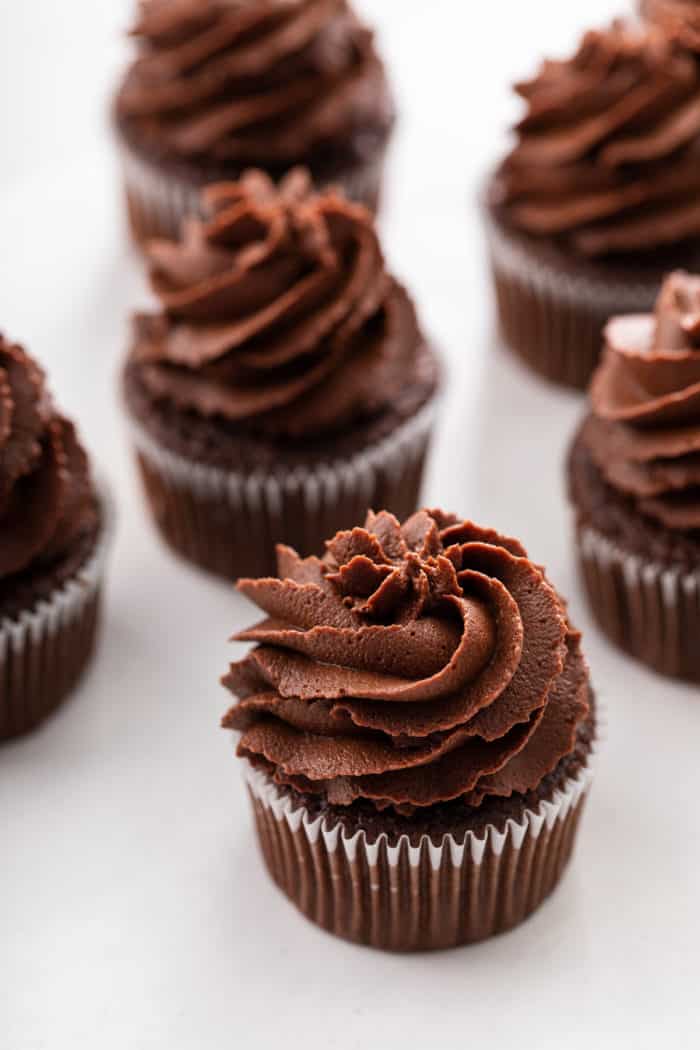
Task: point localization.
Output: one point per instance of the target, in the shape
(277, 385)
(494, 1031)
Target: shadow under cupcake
(634, 479)
(218, 87)
(285, 384)
(53, 529)
(417, 726)
(598, 200)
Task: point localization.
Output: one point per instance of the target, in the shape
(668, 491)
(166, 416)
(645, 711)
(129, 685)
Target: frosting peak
(412, 664)
(277, 312)
(607, 153)
(644, 429)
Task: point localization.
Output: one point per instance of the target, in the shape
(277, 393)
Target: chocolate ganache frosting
(278, 316)
(47, 502)
(643, 433)
(266, 82)
(608, 154)
(411, 665)
(679, 19)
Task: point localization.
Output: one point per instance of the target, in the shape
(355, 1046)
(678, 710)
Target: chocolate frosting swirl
(409, 666)
(278, 314)
(46, 497)
(644, 429)
(267, 82)
(608, 154)
(679, 19)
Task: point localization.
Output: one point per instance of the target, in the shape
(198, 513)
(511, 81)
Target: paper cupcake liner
(158, 200)
(45, 650)
(229, 523)
(650, 610)
(554, 320)
(404, 897)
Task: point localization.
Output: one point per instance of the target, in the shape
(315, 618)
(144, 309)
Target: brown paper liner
(402, 897)
(44, 652)
(229, 523)
(651, 611)
(158, 199)
(551, 320)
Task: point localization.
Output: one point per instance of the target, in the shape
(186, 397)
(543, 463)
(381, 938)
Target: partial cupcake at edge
(216, 88)
(284, 385)
(52, 539)
(599, 197)
(417, 727)
(634, 479)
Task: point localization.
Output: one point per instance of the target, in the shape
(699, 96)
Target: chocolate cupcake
(285, 384)
(51, 549)
(218, 87)
(634, 477)
(417, 725)
(679, 19)
(599, 197)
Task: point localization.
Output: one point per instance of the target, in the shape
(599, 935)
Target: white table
(134, 911)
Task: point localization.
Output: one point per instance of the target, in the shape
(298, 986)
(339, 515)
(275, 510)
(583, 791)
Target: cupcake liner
(159, 199)
(554, 320)
(229, 523)
(405, 897)
(650, 610)
(45, 650)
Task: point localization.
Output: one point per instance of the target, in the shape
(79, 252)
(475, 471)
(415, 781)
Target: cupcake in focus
(634, 478)
(599, 197)
(285, 384)
(417, 725)
(218, 87)
(52, 527)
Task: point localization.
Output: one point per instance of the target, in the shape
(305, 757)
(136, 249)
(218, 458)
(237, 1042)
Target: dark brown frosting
(46, 497)
(607, 158)
(644, 429)
(265, 82)
(411, 665)
(278, 314)
(679, 19)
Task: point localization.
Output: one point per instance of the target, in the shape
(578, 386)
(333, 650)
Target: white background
(134, 910)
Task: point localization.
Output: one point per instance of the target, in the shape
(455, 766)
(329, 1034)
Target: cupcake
(284, 385)
(634, 478)
(679, 19)
(218, 87)
(417, 727)
(599, 197)
(51, 548)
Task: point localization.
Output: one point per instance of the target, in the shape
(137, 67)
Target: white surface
(134, 911)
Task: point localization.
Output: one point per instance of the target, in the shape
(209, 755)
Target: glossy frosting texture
(278, 314)
(266, 82)
(409, 666)
(46, 497)
(607, 154)
(643, 432)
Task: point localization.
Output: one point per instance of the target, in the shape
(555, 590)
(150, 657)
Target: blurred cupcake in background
(285, 384)
(599, 198)
(52, 539)
(218, 87)
(417, 725)
(634, 478)
(679, 19)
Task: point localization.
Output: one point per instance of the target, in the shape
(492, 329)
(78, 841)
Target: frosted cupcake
(285, 383)
(218, 87)
(417, 725)
(599, 197)
(52, 527)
